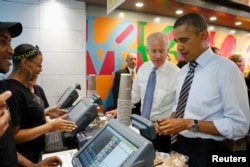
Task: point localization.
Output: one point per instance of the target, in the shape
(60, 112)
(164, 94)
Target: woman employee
(28, 117)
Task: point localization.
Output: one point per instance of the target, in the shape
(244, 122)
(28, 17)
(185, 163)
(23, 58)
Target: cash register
(115, 145)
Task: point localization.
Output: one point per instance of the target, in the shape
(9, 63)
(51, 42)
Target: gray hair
(157, 35)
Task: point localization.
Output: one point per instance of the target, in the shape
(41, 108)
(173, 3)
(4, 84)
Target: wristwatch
(195, 126)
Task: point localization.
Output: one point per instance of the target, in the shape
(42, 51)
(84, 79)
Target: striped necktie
(149, 94)
(184, 95)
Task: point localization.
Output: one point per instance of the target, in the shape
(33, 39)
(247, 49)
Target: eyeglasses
(38, 64)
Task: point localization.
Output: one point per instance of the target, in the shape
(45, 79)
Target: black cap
(14, 28)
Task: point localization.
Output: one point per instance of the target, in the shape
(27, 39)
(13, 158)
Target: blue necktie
(184, 96)
(149, 94)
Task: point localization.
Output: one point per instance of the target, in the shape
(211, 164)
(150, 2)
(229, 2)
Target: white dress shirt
(219, 94)
(165, 88)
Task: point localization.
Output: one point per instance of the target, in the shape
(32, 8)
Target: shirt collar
(130, 70)
(205, 57)
(163, 67)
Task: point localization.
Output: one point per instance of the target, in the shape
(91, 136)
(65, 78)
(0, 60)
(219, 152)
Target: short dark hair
(193, 20)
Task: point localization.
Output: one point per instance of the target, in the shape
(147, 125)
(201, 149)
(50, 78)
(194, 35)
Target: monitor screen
(82, 113)
(67, 98)
(115, 145)
(64, 96)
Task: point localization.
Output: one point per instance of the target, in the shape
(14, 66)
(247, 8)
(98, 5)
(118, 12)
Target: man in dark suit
(131, 68)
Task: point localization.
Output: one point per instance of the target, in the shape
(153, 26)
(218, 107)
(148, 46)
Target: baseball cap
(14, 28)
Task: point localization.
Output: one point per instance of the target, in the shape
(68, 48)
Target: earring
(25, 68)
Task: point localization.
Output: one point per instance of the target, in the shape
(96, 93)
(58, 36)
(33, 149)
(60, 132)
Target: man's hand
(169, 126)
(53, 161)
(4, 113)
(112, 112)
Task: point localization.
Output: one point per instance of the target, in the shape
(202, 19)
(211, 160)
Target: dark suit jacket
(116, 85)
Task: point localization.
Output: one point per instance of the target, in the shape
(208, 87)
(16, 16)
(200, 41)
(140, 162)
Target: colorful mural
(109, 40)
